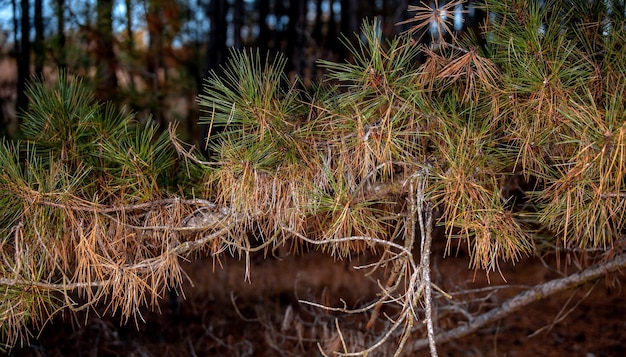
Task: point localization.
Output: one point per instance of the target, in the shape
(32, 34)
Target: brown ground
(271, 322)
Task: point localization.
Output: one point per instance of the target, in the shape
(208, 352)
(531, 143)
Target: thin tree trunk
(295, 36)
(23, 63)
(393, 13)
(4, 125)
(238, 18)
(106, 81)
(349, 17)
(39, 48)
(317, 32)
(129, 25)
(215, 56)
(130, 42)
(263, 40)
(16, 28)
(61, 59)
(154, 19)
(217, 38)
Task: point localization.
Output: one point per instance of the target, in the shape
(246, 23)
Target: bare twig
(525, 298)
(425, 210)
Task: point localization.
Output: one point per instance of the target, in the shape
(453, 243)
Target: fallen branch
(523, 299)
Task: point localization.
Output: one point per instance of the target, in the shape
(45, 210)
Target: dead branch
(525, 298)
(95, 207)
(425, 211)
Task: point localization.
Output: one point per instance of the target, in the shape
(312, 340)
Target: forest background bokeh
(151, 56)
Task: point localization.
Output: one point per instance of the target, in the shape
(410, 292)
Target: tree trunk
(238, 19)
(23, 63)
(317, 31)
(349, 17)
(61, 59)
(217, 38)
(154, 19)
(106, 66)
(393, 12)
(39, 48)
(332, 35)
(129, 25)
(263, 41)
(130, 43)
(296, 44)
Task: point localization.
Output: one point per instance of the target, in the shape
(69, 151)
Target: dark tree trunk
(393, 12)
(16, 28)
(216, 50)
(349, 17)
(238, 18)
(61, 59)
(279, 34)
(155, 65)
(106, 62)
(39, 48)
(318, 25)
(130, 42)
(263, 41)
(4, 124)
(333, 39)
(296, 44)
(23, 63)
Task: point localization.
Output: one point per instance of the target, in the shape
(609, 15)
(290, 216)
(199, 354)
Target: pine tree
(513, 143)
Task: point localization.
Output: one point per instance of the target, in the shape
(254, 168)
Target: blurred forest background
(151, 56)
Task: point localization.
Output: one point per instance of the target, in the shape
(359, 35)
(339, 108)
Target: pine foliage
(94, 210)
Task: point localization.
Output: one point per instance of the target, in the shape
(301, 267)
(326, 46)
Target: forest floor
(221, 315)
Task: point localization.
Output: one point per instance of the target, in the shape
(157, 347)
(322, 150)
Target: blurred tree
(84, 40)
(106, 60)
(238, 21)
(217, 50)
(130, 43)
(23, 56)
(263, 39)
(39, 46)
(393, 11)
(60, 44)
(349, 23)
(296, 39)
(155, 64)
